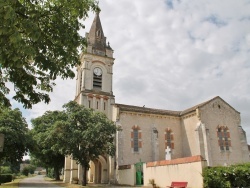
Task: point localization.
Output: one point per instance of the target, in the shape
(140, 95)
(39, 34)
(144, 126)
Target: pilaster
(74, 171)
(67, 170)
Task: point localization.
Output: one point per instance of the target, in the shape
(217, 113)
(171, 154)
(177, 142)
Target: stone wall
(219, 113)
(152, 146)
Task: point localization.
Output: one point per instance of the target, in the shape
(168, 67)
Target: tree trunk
(57, 173)
(84, 176)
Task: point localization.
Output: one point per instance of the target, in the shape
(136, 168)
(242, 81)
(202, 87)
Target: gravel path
(36, 182)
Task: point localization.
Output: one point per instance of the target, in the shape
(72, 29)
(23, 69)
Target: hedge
(4, 178)
(227, 176)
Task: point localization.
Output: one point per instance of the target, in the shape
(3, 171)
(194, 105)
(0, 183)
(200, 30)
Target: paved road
(36, 182)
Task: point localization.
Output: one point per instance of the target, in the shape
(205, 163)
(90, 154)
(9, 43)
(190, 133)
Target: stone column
(82, 79)
(207, 147)
(101, 105)
(67, 166)
(91, 172)
(200, 139)
(74, 171)
(155, 145)
(111, 166)
(80, 173)
(94, 103)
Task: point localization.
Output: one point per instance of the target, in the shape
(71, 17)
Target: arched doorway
(98, 171)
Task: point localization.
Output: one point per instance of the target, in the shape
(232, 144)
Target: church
(211, 129)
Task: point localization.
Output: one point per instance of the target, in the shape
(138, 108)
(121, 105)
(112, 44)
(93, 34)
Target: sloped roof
(203, 104)
(191, 159)
(132, 108)
(197, 106)
(96, 36)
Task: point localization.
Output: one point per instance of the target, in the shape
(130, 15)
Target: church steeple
(96, 39)
(94, 85)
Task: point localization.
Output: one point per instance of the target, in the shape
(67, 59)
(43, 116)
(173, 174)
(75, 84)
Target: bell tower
(94, 90)
(95, 74)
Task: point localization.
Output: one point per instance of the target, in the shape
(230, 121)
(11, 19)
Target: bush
(31, 169)
(50, 173)
(4, 178)
(213, 177)
(225, 177)
(6, 170)
(25, 171)
(28, 170)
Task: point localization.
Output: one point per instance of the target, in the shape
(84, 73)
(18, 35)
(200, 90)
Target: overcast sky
(173, 54)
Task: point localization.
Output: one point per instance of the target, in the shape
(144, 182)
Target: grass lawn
(13, 184)
(60, 183)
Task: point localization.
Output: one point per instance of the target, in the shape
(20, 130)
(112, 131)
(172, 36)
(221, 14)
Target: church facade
(211, 129)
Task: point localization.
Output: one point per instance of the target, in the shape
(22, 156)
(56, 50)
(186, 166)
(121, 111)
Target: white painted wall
(164, 175)
(126, 176)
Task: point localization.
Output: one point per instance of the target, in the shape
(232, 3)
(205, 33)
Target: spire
(96, 36)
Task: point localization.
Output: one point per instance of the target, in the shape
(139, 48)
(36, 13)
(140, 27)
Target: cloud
(63, 92)
(173, 54)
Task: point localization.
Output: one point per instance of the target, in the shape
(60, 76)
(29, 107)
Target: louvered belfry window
(97, 81)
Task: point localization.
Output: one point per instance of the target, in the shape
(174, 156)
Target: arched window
(80, 80)
(169, 139)
(98, 34)
(224, 139)
(136, 142)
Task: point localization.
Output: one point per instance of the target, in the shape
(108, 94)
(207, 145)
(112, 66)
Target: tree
(85, 135)
(39, 41)
(16, 141)
(29, 169)
(41, 135)
(25, 171)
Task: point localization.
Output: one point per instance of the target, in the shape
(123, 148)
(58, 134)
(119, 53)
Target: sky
(172, 54)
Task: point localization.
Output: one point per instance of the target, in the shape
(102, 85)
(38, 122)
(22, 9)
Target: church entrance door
(139, 173)
(98, 171)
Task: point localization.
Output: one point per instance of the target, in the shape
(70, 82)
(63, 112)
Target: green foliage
(25, 171)
(5, 170)
(85, 135)
(42, 152)
(77, 131)
(8, 168)
(4, 178)
(39, 41)
(17, 140)
(214, 177)
(226, 177)
(50, 173)
(29, 169)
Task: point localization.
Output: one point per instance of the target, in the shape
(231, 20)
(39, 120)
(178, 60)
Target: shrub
(25, 171)
(31, 169)
(6, 170)
(4, 178)
(28, 170)
(224, 177)
(239, 175)
(50, 173)
(213, 177)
